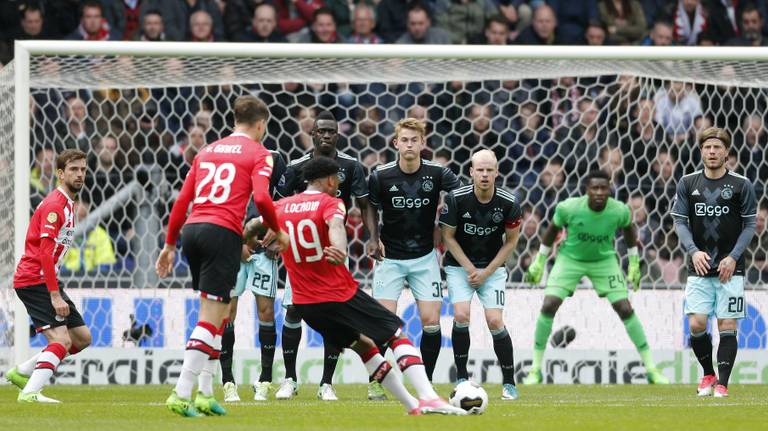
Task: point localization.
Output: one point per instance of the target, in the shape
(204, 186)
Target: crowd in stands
(546, 133)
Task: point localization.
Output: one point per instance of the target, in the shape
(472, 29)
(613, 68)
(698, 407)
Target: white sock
(199, 349)
(380, 370)
(28, 366)
(47, 362)
(410, 363)
(205, 379)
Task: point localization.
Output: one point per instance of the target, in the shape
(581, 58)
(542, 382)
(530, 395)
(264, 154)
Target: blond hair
(715, 133)
(412, 124)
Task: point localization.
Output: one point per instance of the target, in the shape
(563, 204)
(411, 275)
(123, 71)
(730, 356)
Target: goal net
(141, 111)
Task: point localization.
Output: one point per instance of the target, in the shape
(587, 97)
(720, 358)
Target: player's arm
(681, 213)
(630, 240)
(260, 177)
(536, 269)
(374, 248)
(749, 223)
(50, 225)
(361, 192)
(449, 239)
(336, 253)
(164, 264)
(511, 236)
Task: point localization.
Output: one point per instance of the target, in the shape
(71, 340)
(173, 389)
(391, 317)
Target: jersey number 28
(222, 177)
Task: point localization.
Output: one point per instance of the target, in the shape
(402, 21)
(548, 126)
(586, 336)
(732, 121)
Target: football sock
(267, 339)
(291, 339)
(28, 367)
(726, 355)
(47, 362)
(198, 350)
(701, 344)
(502, 345)
(637, 335)
(227, 351)
(460, 340)
(431, 338)
(379, 370)
(329, 363)
(412, 367)
(205, 379)
(540, 337)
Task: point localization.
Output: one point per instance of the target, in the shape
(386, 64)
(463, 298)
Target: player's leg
(388, 279)
(227, 354)
(460, 294)
(492, 295)
(59, 344)
(265, 306)
(291, 338)
(730, 307)
(699, 304)
(424, 280)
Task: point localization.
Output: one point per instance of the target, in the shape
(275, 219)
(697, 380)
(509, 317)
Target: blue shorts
(422, 274)
(707, 295)
(491, 293)
(259, 275)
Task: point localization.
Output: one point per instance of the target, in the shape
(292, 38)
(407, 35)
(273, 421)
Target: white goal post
(92, 66)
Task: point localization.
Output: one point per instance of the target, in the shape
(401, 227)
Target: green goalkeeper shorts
(606, 276)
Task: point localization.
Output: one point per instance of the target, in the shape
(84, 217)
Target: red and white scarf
(687, 32)
(102, 34)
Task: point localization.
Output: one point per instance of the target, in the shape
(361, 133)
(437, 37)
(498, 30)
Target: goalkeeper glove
(536, 270)
(633, 272)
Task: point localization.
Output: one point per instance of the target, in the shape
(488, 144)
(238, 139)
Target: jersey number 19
(297, 236)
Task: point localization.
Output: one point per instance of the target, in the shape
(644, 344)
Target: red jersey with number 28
(220, 183)
(54, 218)
(313, 279)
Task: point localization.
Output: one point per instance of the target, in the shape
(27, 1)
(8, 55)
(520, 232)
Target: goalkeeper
(588, 251)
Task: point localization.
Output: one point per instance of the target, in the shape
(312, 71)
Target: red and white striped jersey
(53, 218)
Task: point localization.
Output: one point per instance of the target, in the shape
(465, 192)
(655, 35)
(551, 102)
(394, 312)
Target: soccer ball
(469, 396)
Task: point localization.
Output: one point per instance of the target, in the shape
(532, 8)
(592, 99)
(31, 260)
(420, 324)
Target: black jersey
(351, 176)
(409, 205)
(278, 168)
(716, 210)
(480, 227)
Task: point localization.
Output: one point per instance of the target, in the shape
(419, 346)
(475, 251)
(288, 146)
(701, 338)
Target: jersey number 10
(298, 237)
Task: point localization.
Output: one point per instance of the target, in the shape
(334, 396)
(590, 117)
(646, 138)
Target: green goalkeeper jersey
(590, 235)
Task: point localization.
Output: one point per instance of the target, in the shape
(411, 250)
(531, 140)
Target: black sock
(460, 340)
(329, 363)
(726, 356)
(431, 338)
(227, 347)
(267, 339)
(702, 347)
(502, 345)
(291, 339)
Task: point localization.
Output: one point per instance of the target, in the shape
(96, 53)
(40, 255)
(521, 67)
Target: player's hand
(374, 249)
(282, 242)
(536, 270)
(271, 251)
(726, 268)
(477, 278)
(164, 264)
(633, 272)
(59, 304)
(268, 239)
(245, 253)
(334, 255)
(700, 261)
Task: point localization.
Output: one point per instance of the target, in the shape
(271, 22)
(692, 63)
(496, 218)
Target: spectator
(363, 23)
(392, 18)
(464, 20)
(305, 117)
(548, 186)
(691, 18)
(152, 28)
(517, 14)
(611, 161)
(31, 26)
(753, 140)
(344, 12)
(323, 29)
(42, 178)
(579, 143)
(573, 16)
(177, 15)
(677, 109)
(646, 227)
(75, 129)
(184, 152)
(123, 17)
(496, 31)
(529, 144)
(662, 34)
(659, 183)
(420, 30)
(367, 120)
(92, 26)
(751, 28)
(201, 27)
(92, 251)
(596, 34)
(294, 16)
(624, 19)
(543, 28)
(756, 252)
(237, 16)
(263, 26)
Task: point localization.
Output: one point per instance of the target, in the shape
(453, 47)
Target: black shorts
(213, 253)
(37, 300)
(342, 323)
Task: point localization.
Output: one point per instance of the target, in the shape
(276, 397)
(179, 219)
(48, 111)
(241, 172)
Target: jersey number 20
(297, 236)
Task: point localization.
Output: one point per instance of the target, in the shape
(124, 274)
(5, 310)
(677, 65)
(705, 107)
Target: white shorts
(422, 274)
(259, 275)
(491, 292)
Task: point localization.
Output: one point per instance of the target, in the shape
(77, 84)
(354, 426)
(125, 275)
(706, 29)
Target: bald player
(480, 224)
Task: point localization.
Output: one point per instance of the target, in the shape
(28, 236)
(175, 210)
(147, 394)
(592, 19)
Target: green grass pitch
(549, 407)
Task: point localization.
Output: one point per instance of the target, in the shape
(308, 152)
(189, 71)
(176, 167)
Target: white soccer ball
(469, 396)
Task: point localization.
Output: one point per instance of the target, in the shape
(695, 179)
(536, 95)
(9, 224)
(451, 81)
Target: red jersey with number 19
(313, 279)
(220, 183)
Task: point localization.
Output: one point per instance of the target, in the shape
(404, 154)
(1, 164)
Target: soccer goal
(142, 110)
